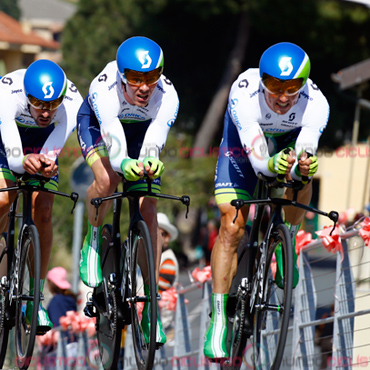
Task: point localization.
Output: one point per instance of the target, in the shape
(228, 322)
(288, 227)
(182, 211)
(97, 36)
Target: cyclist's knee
(6, 199)
(231, 231)
(106, 181)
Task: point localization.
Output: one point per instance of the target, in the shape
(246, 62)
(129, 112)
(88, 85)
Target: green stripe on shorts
(226, 195)
(144, 187)
(95, 154)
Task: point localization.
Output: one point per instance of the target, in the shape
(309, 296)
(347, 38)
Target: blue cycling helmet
(285, 61)
(45, 80)
(139, 54)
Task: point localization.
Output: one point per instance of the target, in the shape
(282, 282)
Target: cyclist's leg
(234, 179)
(104, 184)
(224, 266)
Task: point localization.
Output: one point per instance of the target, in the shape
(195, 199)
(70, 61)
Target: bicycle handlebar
(23, 185)
(184, 199)
(296, 186)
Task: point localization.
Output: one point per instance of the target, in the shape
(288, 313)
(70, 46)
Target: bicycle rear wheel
(109, 327)
(27, 263)
(142, 272)
(4, 304)
(272, 311)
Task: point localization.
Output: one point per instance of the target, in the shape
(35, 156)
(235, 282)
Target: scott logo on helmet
(145, 59)
(286, 66)
(48, 90)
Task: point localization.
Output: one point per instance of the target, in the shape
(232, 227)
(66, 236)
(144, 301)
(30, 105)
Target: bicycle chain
(114, 321)
(2, 309)
(241, 326)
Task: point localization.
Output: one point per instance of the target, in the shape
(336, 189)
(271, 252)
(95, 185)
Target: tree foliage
(197, 37)
(11, 8)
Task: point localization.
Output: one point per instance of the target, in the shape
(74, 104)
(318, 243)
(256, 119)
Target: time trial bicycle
(126, 266)
(22, 262)
(259, 309)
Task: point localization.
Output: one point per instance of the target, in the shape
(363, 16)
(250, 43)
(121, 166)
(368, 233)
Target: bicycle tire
(141, 242)
(27, 254)
(273, 309)
(4, 304)
(109, 327)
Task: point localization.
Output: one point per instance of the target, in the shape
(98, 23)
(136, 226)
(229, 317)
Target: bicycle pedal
(89, 310)
(41, 330)
(221, 360)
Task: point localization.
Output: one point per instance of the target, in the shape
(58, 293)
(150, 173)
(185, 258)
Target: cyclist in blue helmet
(122, 127)
(36, 120)
(270, 108)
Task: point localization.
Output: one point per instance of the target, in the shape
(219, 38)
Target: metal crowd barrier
(340, 280)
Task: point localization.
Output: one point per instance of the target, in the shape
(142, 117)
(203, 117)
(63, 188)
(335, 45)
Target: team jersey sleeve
(156, 134)
(106, 105)
(9, 131)
(244, 112)
(313, 125)
(67, 118)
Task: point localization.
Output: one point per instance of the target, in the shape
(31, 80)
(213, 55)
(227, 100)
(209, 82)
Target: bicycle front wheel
(143, 296)
(4, 304)
(108, 326)
(27, 263)
(273, 310)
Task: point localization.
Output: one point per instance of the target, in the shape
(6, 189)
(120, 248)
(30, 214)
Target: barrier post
(344, 304)
(182, 334)
(61, 352)
(305, 303)
(81, 363)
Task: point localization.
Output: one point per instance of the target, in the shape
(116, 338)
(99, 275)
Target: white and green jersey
(112, 111)
(14, 113)
(255, 120)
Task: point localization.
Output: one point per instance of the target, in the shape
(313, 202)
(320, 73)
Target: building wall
(343, 179)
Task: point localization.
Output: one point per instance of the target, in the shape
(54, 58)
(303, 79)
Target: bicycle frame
(17, 254)
(252, 281)
(122, 270)
(135, 216)
(26, 190)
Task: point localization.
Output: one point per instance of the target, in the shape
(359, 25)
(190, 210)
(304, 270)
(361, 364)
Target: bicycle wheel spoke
(27, 302)
(109, 327)
(143, 302)
(272, 311)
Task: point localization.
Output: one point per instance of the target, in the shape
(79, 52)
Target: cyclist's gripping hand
(38, 163)
(308, 165)
(132, 169)
(281, 163)
(153, 166)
